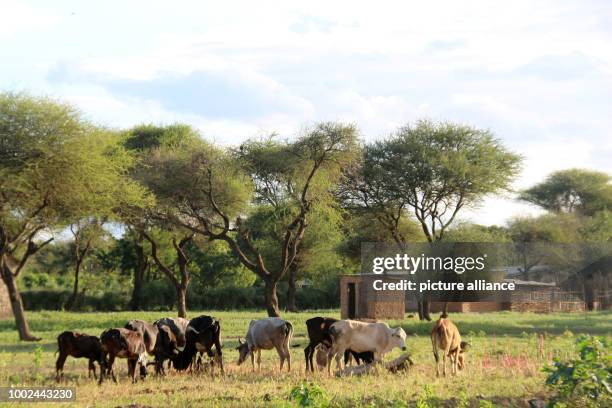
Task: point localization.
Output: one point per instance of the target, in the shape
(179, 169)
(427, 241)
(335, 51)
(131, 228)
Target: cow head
(398, 338)
(244, 351)
(462, 348)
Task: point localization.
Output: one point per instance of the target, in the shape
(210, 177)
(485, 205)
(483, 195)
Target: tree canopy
(574, 190)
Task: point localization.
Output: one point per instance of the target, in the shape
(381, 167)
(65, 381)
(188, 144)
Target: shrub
(584, 381)
(309, 395)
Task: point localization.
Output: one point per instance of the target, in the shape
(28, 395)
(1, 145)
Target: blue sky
(538, 74)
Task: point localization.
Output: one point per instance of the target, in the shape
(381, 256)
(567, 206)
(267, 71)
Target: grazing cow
(202, 333)
(160, 341)
(78, 345)
(445, 336)
(124, 343)
(360, 337)
(178, 326)
(148, 330)
(266, 334)
(318, 333)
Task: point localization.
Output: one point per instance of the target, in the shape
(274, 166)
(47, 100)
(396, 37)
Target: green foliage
(586, 380)
(433, 169)
(575, 190)
(470, 232)
(426, 399)
(37, 356)
(310, 394)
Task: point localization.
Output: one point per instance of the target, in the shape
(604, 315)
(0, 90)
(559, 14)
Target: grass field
(503, 364)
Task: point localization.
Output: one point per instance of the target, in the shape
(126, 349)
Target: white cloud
(538, 74)
(17, 17)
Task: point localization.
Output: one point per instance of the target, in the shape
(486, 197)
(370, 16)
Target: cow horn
(240, 341)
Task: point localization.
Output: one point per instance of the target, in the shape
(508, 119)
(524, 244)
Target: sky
(537, 74)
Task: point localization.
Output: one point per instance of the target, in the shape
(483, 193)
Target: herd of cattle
(182, 343)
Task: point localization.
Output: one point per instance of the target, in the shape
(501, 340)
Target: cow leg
(348, 358)
(307, 356)
(437, 358)
(258, 360)
(111, 365)
(132, 369)
(59, 366)
(281, 355)
(91, 369)
(219, 357)
(330, 356)
(444, 364)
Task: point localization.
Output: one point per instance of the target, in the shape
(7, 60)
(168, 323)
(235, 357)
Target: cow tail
(434, 345)
(288, 332)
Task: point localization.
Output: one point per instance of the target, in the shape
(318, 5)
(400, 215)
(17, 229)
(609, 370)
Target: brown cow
(445, 336)
(124, 343)
(78, 345)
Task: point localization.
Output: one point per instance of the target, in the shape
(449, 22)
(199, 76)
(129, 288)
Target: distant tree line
(115, 210)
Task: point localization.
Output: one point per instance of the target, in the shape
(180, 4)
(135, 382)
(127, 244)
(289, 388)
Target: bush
(161, 295)
(55, 299)
(309, 395)
(584, 381)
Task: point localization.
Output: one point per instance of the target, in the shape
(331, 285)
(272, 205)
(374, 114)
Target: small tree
(85, 233)
(159, 148)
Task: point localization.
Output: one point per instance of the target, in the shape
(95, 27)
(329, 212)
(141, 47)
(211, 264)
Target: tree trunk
(181, 301)
(423, 305)
(75, 291)
(17, 305)
(291, 306)
(426, 308)
(139, 274)
(271, 298)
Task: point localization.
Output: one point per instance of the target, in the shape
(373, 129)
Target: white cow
(266, 334)
(358, 336)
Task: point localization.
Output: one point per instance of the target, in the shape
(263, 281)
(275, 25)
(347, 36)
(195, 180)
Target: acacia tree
(429, 171)
(580, 191)
(156, 148)
(213, 199)
(53, 165)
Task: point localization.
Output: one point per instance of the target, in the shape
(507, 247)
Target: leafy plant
(37, 356)
(586, 380)
(309, 395)
(426, 399)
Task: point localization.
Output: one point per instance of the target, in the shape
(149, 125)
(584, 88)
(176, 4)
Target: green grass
(503, 364)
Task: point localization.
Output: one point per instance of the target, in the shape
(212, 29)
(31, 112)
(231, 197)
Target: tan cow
(445, 336)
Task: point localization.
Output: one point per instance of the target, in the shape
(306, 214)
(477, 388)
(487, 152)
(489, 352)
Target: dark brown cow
(124, 343)
(78, 345)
